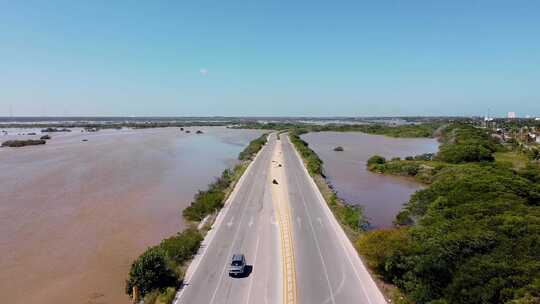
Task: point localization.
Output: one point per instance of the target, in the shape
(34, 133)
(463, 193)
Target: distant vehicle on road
(238, 265)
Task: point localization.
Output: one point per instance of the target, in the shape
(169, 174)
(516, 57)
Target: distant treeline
(117, 125)
(471, 236)
(160, 269)
(404, 130)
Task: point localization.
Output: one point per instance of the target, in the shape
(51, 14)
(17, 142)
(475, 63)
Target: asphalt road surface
(296, 250)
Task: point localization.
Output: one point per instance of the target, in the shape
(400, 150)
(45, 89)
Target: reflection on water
(381, 196)
(75, 214)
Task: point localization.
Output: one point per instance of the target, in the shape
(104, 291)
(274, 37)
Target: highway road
(297, 250)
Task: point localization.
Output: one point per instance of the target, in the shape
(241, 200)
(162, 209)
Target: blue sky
(290, 58)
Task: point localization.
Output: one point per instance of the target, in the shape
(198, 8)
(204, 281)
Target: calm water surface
(74, 214)
(381, 196)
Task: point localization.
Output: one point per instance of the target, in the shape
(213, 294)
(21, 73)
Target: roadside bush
(313, 162)
(183, 246)
(253, 147)
(351, 216)
(206, 202)
(379, 247)
(150, 272)
(167, 297)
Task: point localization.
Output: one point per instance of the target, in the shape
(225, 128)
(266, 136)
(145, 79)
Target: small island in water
(22, 143)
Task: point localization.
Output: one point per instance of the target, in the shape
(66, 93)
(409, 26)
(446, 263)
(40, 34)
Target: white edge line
(254, 263)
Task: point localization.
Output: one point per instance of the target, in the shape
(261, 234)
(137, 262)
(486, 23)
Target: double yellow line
(290, 291)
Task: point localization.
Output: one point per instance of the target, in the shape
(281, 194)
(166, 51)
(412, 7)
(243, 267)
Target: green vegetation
(181, 247)
(406, 130)
(461, 144)
(253, 147)
(422, 170)
(351, 216)
(517, 160)
(23, 143)
(150, 272)
(209, 201)
(464, 143)
(313, 162)
(376, 160)
(160, 269)
(379, 246)
(471, 236)
(167, 297)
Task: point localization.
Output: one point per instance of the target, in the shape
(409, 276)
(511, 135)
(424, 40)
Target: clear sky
(288, 58)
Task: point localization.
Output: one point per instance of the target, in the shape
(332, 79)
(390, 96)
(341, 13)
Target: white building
(512, 115)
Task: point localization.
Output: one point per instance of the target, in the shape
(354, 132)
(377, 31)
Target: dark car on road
(238, 265)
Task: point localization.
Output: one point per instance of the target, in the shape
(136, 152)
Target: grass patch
(517, 159)
(166, 297)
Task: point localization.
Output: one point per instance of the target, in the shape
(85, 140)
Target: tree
(376, 160)
(150, 272)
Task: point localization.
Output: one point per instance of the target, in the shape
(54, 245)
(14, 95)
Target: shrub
(313, 162)
(206, 202)
(379, 246)
(351, 216)
(465, 143)
(167, 297)
(183, 246)
(376, 160)
(150, 272)
(253, 147)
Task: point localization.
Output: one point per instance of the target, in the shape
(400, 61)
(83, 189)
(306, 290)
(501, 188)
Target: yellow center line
(290, 291)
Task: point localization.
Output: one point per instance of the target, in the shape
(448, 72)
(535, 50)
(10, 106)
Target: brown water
(74, 215)
(381, 196)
